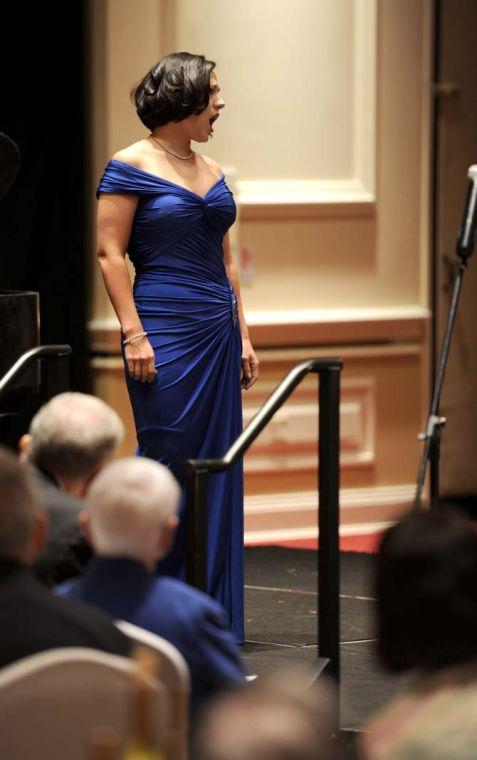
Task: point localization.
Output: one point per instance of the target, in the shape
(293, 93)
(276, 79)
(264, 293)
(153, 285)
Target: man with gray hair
(32, 619)
(130, 519)
(69, 440)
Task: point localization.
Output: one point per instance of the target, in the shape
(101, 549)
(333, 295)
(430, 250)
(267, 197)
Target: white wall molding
(365, 94)
(292, 516)
(329, 316)
(299, 534)
(308, 191)
(338, 326)
(399, 496)
(288, 443)
(305, 327)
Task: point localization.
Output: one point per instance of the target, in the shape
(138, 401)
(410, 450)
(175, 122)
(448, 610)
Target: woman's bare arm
(115, 218)
(250, 363)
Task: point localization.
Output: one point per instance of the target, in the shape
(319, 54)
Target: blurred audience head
(427, 592)
(280, 717)
(22, 523)
(71, 438)
(131, 510)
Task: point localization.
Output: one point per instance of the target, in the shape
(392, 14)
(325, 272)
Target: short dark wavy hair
(177, 86)
(427, 592)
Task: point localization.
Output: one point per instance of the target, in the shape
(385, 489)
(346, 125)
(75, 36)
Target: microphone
(466, 237)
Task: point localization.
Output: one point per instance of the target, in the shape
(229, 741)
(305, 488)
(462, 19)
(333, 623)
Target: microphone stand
(435, 423)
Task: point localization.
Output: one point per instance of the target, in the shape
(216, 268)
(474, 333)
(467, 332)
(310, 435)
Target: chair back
(52, 703)
(173, 673)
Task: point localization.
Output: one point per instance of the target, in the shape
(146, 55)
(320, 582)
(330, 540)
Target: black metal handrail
(197, 470)
(24, 362)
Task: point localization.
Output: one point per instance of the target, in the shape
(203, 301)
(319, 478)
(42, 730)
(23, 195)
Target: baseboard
(293, 516)
(297, 534)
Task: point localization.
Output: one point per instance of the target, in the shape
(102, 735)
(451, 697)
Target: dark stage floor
(281, 623)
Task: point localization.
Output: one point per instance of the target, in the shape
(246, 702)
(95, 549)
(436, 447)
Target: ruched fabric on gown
(188, 307)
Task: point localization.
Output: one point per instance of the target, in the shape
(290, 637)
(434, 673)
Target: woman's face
(201, 125)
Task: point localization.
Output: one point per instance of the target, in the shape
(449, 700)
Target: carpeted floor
(281, 623)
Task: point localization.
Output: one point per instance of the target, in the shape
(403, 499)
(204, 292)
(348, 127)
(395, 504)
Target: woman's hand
(140, 360)
(250, 364)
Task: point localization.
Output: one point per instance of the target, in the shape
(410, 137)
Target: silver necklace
(183, 158)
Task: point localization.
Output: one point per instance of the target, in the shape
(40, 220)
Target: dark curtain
(43, 217)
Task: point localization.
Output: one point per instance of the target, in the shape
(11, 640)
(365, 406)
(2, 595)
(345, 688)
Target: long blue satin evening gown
(188, 307)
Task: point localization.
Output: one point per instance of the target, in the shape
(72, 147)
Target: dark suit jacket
(193, 622)
(66, 551)
(33, 619)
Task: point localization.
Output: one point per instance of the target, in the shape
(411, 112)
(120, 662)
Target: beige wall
(285, 117)
(125, 38)
(361, 254)
(332, 182)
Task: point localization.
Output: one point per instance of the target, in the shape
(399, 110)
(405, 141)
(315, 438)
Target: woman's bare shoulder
(216, 168)
(133, 154)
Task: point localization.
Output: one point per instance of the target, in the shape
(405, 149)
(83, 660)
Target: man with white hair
(69, 440)
(32, 619)
(130, 519)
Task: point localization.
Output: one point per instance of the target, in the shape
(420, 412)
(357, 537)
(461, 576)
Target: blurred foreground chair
(52, 703)
(173, 673)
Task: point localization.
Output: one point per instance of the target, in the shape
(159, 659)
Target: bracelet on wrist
(132, 338)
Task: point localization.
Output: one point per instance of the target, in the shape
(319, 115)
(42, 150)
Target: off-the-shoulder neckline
(168, 181)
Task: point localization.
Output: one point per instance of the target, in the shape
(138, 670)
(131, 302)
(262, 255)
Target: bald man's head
(131, 508)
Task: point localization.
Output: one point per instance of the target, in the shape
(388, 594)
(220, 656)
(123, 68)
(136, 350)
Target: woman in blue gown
(185, 342)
